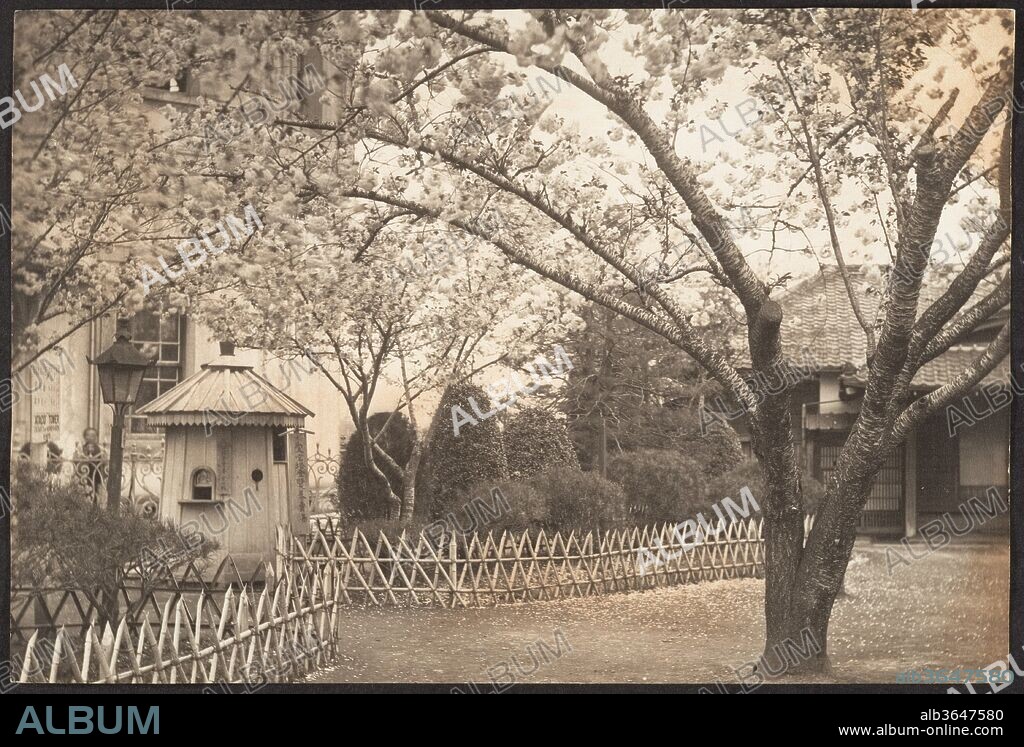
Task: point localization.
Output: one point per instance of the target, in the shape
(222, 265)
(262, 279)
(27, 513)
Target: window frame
(157, 374)
(279, 432)
(212, 487)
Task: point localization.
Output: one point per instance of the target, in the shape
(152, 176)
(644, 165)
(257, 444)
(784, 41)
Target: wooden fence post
(453, 566)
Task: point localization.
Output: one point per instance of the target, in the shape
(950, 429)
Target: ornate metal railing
(144, 468)
(323, 475)
(142, 474)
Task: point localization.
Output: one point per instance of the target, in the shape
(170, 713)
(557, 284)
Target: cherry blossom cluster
(192, 253)
(264, 109)
(9, 111)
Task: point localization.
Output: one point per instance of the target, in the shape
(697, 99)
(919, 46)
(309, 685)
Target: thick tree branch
(962, 286)
(684, 337)
(960, 386)
(998, 93)
(935, 174)
(965, 323)
(706, 219)
(960, 290)
(927, 138)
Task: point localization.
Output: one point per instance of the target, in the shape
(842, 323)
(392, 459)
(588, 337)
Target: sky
(718, 129)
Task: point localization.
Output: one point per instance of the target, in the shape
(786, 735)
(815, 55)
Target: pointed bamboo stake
(26, 666)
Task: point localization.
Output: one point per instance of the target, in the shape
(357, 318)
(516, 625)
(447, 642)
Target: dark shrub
(581, 500)
(748, 474)
(535, 440)
(473, 454)
(653, 426)
(661, 485)
(718, 451)
(521, 506)
(62, 538)
(360, 495)
(560, 499)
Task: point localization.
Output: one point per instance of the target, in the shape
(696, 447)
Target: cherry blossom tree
(357, 306)
(442, 104)
(87, 188)
(585, 131)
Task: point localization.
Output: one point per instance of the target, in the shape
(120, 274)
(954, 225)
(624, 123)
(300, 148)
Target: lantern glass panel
(106, 386)
(135, 381)
(123, 385)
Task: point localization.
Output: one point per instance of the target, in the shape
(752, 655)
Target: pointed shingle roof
(225, 389)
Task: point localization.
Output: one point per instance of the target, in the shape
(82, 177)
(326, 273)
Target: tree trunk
(412, 467)
(409, 486)
(774, 447)
(419, 444)
(393, 502)
(830, 544)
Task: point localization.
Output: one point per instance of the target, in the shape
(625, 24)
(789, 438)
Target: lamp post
(120, 368)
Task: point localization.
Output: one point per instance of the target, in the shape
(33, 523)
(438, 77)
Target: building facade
(958, 454)
(58, 398)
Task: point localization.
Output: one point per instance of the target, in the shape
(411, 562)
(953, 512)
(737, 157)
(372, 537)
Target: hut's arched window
(202, 484)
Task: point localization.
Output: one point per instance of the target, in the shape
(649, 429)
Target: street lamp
(120, 367)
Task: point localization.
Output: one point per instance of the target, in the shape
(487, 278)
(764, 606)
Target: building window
(202, 484)
(280, 444)
(179, 83)
(160, 335)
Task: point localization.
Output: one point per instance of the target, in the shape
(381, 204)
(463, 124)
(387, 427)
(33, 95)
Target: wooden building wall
(244, 525)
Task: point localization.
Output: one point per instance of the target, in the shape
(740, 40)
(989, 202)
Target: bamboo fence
(477, 571)
(291, 626)
(47, 608)
(286, 630)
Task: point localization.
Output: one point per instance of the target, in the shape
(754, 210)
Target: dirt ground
(946, 610)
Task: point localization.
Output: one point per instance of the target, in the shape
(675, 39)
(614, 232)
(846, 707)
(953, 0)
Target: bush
(560, 499)
(654, 426)
(718, 451)
(748, 474)
(665, 429)
(525, 508)
(535, 441)
(360, 495)
(581, 500)
(62, 538)
(661, 485)
(460, 460)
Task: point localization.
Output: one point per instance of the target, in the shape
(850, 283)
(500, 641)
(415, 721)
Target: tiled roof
(225, 387)
(819, 325)
(940, 371)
